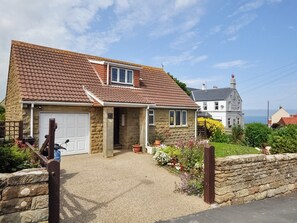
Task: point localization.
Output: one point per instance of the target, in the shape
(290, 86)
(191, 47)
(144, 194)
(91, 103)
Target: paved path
(272, 210)
(126, 188)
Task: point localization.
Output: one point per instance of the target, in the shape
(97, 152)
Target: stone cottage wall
(241, 179)
(13, 105)
(24, 196)
(173, 134)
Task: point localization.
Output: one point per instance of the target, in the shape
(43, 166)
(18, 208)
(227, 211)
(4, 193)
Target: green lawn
(224, 149)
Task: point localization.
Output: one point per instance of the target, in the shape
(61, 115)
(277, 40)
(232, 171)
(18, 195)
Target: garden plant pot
(157, 142)
(137, 148)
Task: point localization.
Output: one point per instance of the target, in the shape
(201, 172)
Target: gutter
(56, 103)
(146, 125)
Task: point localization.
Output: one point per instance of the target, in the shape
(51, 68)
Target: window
(122, 76)
(177, 118)
(229, 122)
(216, 105)
(184, 118)
(204, 105)
(238, 121)
(151, 117)
(171, 118)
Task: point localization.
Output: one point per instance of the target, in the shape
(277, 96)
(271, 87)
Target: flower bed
(186, 159)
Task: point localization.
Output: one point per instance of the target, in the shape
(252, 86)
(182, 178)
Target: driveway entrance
(126, 188)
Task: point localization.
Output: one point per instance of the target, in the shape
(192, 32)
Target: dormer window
(122, 76)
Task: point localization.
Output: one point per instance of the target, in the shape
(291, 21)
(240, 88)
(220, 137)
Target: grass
(224, 149)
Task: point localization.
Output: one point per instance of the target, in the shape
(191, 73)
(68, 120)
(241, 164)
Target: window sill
(178, 126)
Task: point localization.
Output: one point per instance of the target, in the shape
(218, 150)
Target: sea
(260, 115)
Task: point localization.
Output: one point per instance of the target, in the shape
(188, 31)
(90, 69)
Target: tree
(181, 84)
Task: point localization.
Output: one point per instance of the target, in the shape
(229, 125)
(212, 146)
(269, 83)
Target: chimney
(203, 87)
(233, 82)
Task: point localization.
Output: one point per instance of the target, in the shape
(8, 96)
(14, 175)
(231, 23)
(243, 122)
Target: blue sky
(197, 41)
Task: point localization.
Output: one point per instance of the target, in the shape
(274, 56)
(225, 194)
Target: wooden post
(53, 168)
(51, 135)
(21, 127)
(209, 174)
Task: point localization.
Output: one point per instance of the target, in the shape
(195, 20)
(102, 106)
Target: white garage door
(75, 127)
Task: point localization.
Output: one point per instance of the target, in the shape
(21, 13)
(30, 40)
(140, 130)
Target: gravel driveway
(126, 188)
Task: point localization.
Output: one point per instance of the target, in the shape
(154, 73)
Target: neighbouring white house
(280, 113)
(224, 104)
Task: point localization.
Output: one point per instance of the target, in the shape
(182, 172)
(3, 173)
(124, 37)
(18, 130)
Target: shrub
(161, 157)
(256, 134)
(219, 136)
(284, 140)
(237, 134)
(190, 184)
(14, 159)
(211, 124)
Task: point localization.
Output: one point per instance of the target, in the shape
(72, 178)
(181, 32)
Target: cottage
(223, 104)
(276, 117)
(98, 103)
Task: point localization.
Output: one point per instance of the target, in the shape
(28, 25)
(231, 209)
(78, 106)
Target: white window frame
(173, 118)
(184, 111)
(216, 105)
(181, 118)
(153, 115)
(118, 76)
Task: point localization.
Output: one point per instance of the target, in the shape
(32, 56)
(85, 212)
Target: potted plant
(137, 148)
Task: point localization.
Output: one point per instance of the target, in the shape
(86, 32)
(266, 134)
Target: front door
(116, 130)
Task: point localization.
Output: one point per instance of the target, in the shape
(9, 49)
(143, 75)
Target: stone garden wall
(24, 196)
(241, 179)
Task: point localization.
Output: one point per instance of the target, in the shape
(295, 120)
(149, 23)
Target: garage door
(75, 127)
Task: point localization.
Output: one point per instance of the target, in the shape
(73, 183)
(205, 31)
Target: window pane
(129, 77)
(184, 118)
(122, 75)
(171, 117)
(151, 120)
(114, 75)
(177, 117)
(151, 112)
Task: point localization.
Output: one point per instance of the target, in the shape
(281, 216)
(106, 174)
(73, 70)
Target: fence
(53, 168)
(201, 129)
(10, 130)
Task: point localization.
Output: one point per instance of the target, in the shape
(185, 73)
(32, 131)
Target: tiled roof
(211, 94)
(48, 74)
(288, 120)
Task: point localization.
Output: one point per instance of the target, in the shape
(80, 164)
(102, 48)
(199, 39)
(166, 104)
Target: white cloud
(243, 21)
(231, 64)
(185, 57)
(254, 5)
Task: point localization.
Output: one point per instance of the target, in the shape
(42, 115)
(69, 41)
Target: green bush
(219, 136)
(2, 113)
(256, 134)
(284, 140)
(14, 159)
(237, 134)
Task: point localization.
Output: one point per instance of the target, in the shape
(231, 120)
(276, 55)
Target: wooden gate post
(209, 174)
(51, 137)
(21, 130)
(53, 168)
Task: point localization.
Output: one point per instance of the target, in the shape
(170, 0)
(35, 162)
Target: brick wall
(174, 134)
(241, 179)
(96, 123)
(24, 196)
(12, 103)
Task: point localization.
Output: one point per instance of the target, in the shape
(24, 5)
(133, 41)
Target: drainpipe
(107, 74)
(31, 120)
(146, 126)
(196, 112)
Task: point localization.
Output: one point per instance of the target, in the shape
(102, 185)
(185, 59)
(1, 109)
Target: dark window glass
(114, 75)
(177, 118)
(122, 75)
